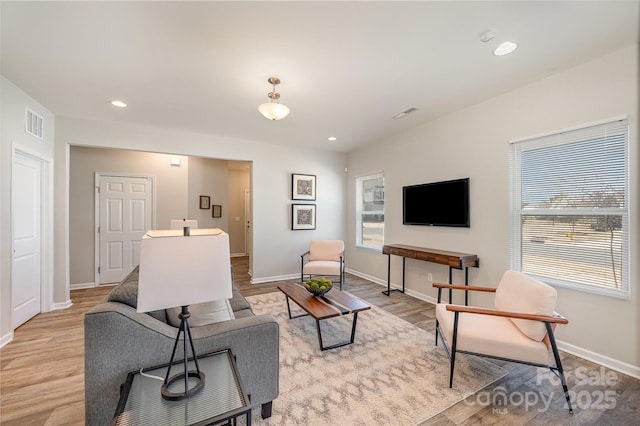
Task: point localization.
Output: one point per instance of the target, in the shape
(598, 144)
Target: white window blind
(370, 211)
(569, 211)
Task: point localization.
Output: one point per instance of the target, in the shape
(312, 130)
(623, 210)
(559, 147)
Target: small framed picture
(204, 201)
(216, 210)
(303, 187)
(303, 216)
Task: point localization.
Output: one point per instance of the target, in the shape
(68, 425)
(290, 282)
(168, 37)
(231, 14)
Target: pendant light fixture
(274, 110)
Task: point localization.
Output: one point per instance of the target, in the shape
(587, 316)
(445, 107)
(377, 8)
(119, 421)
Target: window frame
(359, 210)
(519, 210)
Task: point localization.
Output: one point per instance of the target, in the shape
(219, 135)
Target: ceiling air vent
(34, 124)
(404, 113)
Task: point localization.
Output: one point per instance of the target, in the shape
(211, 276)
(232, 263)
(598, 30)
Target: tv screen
(443, 203)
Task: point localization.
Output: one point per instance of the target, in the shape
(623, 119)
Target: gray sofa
(118, 340)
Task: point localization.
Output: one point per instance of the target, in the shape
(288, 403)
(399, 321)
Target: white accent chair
(324, 257)
(519, 329)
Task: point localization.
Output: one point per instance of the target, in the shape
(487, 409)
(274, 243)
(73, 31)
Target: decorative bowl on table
(318, 286)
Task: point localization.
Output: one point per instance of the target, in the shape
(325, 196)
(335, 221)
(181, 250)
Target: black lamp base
(176, 396)
(186, 374)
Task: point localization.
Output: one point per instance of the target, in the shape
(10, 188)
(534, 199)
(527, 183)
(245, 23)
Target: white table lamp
(178, 270)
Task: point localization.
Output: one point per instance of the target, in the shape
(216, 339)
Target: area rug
(391, 375)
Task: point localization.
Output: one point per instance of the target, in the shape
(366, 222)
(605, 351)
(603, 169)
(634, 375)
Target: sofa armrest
(119, 340)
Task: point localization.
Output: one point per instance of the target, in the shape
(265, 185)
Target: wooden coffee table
(333, 304)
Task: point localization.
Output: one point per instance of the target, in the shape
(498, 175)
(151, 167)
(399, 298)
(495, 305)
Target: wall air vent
(404, 113)
(34, 124)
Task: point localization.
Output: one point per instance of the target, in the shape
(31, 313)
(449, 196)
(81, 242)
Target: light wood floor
(42, 371)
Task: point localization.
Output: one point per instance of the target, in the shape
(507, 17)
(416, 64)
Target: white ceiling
(346, 67)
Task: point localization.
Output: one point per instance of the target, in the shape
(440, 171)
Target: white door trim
(97, 177)
(46, 221)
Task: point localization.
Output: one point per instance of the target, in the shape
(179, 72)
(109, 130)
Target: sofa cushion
(127, 292)
(238, 302)
(203, 313)
(517, 292)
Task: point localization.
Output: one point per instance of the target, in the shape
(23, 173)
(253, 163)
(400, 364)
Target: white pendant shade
(273, 111)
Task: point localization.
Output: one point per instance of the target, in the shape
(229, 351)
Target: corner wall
(276, 248)
(474, 143)
(13, 102)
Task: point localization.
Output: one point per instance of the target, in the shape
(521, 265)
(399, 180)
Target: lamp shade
(273, 110)
(178, 271)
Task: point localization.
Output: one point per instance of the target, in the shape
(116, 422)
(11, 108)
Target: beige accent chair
(519, 329)
(324, 257)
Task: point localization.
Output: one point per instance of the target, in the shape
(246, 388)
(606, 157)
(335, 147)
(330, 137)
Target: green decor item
(318, 286)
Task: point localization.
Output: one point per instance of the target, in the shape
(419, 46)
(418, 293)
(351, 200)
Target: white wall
(276, 248)
(474, 143)
(171, 197)
(208, 177)
(239, 182)
(13, 102)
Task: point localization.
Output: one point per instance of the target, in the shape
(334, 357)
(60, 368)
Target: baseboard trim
(63, 305)
(275, 278)
(614, 364)
(81, 286)
(6, 339)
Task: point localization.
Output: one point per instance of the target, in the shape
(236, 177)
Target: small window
(370, 211)
(569, 210)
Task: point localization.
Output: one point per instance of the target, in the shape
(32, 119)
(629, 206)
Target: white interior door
(26, 274)
(125, 214)
(248, 226)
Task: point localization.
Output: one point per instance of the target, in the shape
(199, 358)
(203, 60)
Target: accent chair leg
(266, 409)
(556, 356)
(453, 347)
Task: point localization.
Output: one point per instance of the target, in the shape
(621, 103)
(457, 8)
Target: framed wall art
(205, 200)
(303, 216)
(303, 187)
(216, 210)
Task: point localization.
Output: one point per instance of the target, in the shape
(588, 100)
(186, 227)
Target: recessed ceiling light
(332, 138)
(505, 48)
(486, 35)
(119, 104)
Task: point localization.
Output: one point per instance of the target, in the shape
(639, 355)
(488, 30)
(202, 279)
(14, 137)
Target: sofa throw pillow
(203, 313)
(127, 292)
(517, 292)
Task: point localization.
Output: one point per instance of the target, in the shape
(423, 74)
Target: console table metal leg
(388, 292)
(450, 282)
(404, 259)
(466, 282)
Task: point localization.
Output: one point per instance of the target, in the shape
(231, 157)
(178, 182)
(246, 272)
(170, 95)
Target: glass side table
(221, 401)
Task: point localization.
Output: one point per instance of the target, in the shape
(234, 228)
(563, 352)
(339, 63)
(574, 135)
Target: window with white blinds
(370, 211)
(569, 208)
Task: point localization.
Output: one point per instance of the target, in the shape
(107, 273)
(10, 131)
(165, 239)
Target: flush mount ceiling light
(118, 104)
(505, 48)
(273, 110)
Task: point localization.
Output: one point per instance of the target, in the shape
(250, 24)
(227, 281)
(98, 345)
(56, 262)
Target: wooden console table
(452, 259)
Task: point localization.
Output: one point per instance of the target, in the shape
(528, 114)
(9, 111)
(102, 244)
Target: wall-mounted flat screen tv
(443, 203)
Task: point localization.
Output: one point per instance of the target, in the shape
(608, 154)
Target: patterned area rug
(392, 375)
